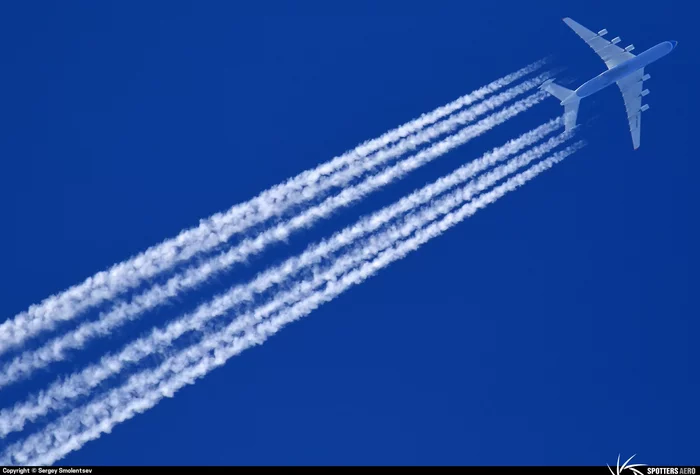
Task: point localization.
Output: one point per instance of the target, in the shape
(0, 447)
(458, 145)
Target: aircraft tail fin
(568, 99)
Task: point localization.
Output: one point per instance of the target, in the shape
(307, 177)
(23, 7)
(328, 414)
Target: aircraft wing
(608, 52)
(631, 89)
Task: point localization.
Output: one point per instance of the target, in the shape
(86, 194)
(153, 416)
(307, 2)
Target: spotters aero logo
(631, 468)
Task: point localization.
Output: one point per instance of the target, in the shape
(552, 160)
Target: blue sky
(560, 320)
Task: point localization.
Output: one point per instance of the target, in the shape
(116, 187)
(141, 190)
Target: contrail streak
(83, 382)
(138, 394)
(55, 350)
(215, 229)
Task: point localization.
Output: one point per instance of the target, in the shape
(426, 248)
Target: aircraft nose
(674, 43)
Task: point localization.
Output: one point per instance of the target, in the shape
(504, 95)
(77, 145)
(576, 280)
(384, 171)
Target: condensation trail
(55, 350)
(83, 382)
(87, 423)
(212, 231)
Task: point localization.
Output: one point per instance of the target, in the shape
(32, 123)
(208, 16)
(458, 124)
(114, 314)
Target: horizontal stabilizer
(568, 99)
(560, 92)
(570, 114)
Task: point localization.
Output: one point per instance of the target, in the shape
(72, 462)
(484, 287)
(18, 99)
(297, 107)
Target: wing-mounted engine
(644, 92)
(645, 107)
(646, 77)
(609, 52)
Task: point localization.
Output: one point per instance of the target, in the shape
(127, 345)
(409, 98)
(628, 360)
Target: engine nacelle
(603, 32)
(644, 92)
(646, 77)
(629, 48)
(644, 107)
(615, 40)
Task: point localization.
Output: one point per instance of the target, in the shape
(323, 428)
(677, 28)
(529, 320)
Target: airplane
(624, 68)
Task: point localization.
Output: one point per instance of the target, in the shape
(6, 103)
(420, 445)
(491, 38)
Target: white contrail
(215, 229)
(87, 423)
(82, 383)
(55, 350)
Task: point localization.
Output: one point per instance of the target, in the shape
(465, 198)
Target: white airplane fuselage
(621, 71)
